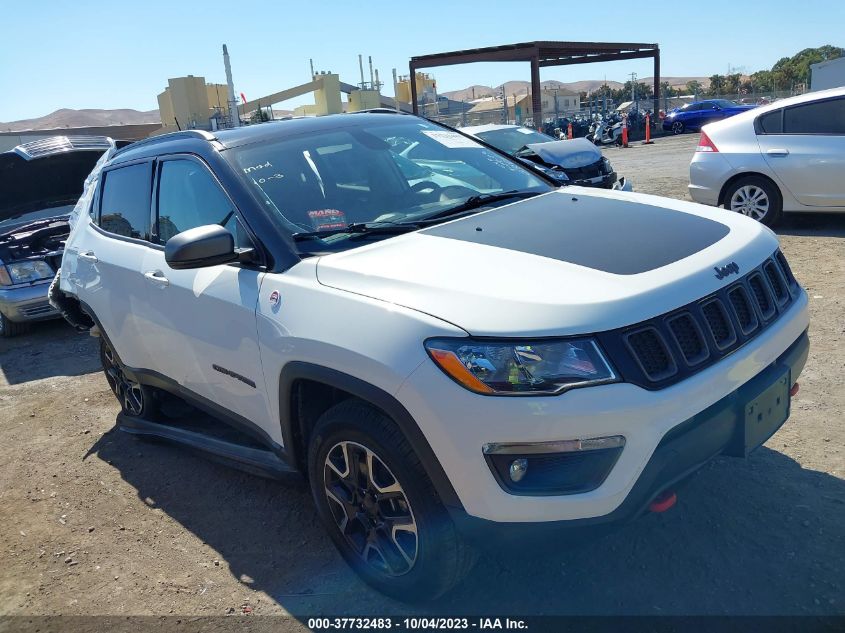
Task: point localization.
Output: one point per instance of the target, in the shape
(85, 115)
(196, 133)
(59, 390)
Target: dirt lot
(94, 522)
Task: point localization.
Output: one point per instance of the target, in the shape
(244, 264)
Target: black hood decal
(613, 236)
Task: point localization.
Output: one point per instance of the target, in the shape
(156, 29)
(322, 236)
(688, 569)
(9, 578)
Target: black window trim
(758, 128)
(103, 179)
(239, 215)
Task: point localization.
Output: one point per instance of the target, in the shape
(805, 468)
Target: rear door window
(821, 117)
(125, 201)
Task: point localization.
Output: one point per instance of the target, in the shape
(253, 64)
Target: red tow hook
(663, 501)
(794, 391)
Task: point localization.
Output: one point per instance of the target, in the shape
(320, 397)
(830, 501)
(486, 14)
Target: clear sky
(119, 54)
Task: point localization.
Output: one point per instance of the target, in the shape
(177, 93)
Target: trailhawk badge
(727, 269)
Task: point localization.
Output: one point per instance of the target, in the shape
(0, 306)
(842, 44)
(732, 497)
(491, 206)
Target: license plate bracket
(764, 412)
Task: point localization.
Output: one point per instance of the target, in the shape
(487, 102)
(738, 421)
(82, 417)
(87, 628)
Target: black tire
(135, 399)
(732, 199)
(9, 328)
(440, 557)
(678, 127)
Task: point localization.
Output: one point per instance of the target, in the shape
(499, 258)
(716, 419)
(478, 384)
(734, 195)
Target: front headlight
(521, 367)
(25, 272)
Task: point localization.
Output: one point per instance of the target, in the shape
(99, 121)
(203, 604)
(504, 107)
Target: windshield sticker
(451, 139)
(525, 130)
(249, 170)
(327, 219)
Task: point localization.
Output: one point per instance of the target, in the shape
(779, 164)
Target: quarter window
(771, 122)
(821, 117)
(188, 196)
(125, 207)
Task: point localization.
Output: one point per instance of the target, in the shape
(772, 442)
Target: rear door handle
(88, 256)
(777, 152)
(157, 277)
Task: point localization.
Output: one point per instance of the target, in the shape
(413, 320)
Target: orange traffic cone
(625, 130)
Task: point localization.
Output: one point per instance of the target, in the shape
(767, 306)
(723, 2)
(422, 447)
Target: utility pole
(234, 117)
(557, 116)
(634, 90)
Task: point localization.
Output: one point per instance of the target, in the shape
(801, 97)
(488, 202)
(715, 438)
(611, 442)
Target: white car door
(806, 150)
(103, 265)
(202, 322)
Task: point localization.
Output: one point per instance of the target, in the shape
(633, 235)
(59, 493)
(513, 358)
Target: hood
(573, 261)
(32, 182)
(569, 154)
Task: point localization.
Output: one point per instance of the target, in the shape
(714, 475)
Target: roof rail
(203, 135)
(378, 111)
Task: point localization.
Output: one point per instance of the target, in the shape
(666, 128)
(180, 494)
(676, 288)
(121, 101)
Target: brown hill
(67, 117)
(587, 85)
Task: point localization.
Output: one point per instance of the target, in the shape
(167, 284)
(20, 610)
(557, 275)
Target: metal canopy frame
(541, 54)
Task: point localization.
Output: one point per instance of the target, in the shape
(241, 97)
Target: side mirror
(199, 247)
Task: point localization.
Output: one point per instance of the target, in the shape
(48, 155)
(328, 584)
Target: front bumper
(27, 303)
(682, 451)
(458, 423)
(601, 181)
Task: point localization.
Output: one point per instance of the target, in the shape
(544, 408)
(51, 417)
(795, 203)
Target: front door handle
(157, 277)
(777, 152)
(89, 256)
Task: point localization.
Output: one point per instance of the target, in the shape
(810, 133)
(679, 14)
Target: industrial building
(827, 74)
(189, 103)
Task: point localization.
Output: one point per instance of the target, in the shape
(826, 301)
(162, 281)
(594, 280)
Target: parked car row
(377, 303)
(447, 345)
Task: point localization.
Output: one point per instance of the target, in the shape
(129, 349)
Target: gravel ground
(95, 522)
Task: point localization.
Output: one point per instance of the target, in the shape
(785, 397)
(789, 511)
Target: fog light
(518, 468)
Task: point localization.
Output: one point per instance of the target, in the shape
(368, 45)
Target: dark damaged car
(40, 183)
(572, 161)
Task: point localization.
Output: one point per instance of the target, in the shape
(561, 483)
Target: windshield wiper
(361, 228)
(479, 201)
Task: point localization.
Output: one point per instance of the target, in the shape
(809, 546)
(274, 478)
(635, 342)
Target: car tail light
(705, 144)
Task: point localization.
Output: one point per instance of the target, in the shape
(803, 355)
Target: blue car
(694, 115)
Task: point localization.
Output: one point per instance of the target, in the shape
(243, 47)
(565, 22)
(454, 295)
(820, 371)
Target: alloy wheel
(750, 200)
(370, 508)
(677, 127)
(128, 392)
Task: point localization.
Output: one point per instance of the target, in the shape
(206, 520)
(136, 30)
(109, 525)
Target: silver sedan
(786, 156)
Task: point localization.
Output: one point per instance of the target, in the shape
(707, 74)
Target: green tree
(732, 83)
(717, 85)
(694, 87)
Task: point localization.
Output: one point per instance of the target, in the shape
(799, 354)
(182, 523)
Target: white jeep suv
(445, 363)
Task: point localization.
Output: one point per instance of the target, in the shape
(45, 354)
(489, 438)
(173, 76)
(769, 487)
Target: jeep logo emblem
(727, 269)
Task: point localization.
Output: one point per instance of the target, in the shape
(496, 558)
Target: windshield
(513, 139)
(725, 103)
(394, 172)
